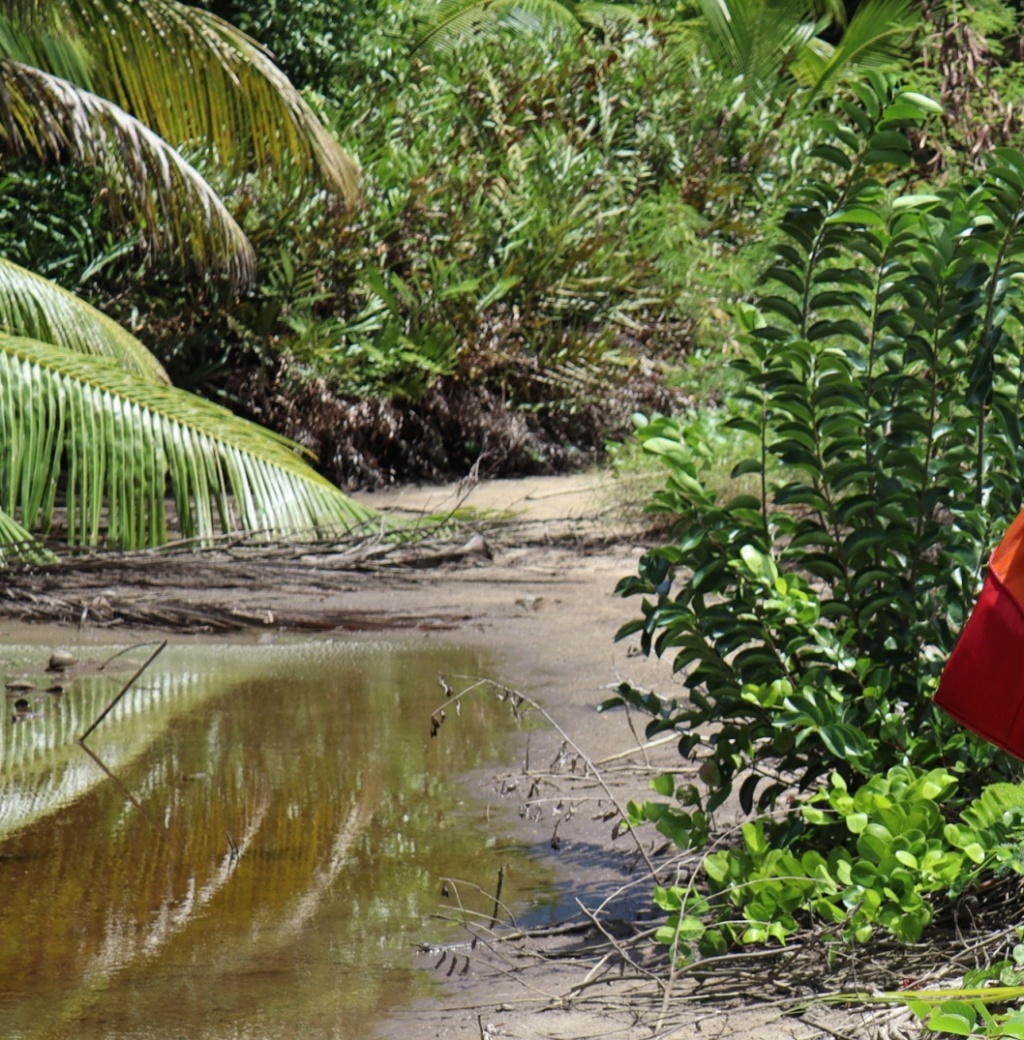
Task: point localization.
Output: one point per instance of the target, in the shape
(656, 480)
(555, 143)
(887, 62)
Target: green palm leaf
(17, 544)
(771, 47)
(36, 308)
(447, 22)
(123, 442)
(148, 183)
(756, 41)
(199, 82)
(43, 45)
(875, 38)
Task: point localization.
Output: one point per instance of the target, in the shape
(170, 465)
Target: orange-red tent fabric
(982, 685)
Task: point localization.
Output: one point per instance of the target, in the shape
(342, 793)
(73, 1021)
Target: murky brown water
(269, 848)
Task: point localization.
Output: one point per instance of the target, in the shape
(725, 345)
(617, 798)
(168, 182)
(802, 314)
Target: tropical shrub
(880, 399)
(522, 225)
(881, 380)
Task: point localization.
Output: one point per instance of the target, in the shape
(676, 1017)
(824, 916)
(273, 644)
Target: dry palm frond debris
(182, 588)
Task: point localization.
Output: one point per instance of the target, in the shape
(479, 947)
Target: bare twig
(497, 896)
(124, 689)
(128, 649)
(669, 738)
(516, 699)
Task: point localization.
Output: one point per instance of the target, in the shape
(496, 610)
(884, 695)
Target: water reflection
(288, 821)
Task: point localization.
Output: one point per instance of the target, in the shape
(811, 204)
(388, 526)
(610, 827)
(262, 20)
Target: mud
(539, 591)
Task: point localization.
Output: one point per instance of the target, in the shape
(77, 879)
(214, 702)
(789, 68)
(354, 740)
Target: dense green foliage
(86, 411)
(880, 404)
(551, 222)
(545, 218)
(313, 41)
(560, 211)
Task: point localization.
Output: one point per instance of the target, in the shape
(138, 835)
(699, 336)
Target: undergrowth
(809, 617)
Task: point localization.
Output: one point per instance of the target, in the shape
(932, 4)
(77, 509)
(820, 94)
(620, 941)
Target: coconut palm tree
(120, 87)
(773, 48)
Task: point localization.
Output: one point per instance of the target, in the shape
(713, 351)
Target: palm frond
(45, 46)
(199, 82)
(124, 443)
(148, 184)
(36, 308)
(755, 41)
(875, 38)
(446, 23)
(17, 545)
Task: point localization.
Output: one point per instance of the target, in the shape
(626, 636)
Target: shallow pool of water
(259, 841)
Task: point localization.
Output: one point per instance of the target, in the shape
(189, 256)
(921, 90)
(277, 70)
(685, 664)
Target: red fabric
(982, 685)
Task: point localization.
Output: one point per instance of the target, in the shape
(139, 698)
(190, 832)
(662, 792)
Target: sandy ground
(547, 604)
(543, 601)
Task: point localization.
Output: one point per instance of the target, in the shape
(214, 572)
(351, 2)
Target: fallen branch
(124, 689)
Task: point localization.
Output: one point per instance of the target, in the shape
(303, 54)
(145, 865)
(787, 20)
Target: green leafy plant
(881, 383)
(809, 620)
(879, 859)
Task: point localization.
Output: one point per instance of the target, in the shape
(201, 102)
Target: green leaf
(954, 1017)
(921, 101)
(123, 441)
(691, 929)
(856, 822)
(35, 308)
(859, 215)
(915, 201)
(668, 899)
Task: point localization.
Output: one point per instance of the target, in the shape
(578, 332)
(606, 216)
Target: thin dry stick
(119, 783)
(516, 698)
(497, 896)
(128, 649)
(667, 739)
(124, 690)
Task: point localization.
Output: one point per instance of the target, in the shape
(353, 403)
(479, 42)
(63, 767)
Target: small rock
(23, 711)
(477, 546)
(60, 660)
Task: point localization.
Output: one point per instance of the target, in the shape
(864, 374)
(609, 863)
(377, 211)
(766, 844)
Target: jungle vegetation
(417, 239)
